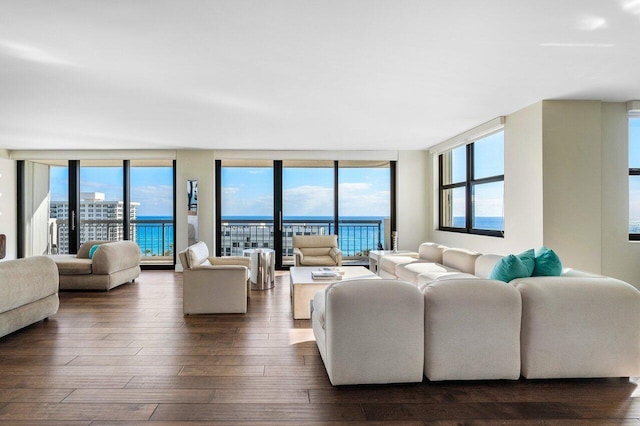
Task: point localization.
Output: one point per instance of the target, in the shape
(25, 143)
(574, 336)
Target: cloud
(31, 53)
(229, 190)
(631, 6)
(308, 200)
(592, 23)
(155, 200)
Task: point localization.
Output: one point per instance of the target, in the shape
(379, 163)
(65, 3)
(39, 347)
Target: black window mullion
(126, 198)
(468, 197)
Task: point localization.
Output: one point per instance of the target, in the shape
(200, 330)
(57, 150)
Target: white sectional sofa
(569, 326)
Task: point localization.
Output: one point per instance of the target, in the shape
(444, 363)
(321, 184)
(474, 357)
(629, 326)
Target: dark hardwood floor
(130, 356)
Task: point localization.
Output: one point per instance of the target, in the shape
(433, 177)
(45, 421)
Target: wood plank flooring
(129, 356)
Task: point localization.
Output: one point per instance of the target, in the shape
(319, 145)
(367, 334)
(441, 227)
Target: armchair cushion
(196, 254)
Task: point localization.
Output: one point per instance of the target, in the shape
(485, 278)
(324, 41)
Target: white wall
(620, 257)
(522, 191)
(8, 201)
(412, 186)
(195, 164)
(572, 151)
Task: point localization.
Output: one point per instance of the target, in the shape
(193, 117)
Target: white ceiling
(298, 74)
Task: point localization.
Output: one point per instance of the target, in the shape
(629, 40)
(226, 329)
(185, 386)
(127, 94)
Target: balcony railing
(355, 237)
(154, 236)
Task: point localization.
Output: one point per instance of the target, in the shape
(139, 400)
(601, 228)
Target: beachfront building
(100, 219)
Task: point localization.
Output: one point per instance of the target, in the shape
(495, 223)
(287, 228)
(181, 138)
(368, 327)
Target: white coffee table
(303, 287)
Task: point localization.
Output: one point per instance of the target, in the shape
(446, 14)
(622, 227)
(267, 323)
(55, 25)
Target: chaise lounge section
(28, 292)
(113, 263)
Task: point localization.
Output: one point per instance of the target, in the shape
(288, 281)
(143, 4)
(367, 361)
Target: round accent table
(262, 267)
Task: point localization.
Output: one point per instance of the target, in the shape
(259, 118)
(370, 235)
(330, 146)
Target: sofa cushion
(528, 257)
(388, 263)
(460, 259)
(547, 263)
(410, 271)
(71, 265)
(509, 268)
(431, 252)
(485, 264)
(429, 277)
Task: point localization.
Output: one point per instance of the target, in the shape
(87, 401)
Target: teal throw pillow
(92, 250)
(509, 268)
(528, 257)
(547, 263)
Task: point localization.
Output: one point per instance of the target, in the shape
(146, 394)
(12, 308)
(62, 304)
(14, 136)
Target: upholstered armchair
(213, 285)
(316, 250)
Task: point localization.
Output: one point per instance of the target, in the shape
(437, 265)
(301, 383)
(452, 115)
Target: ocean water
(155, 238)
(492, 223)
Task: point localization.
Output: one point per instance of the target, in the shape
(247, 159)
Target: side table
(262, 268)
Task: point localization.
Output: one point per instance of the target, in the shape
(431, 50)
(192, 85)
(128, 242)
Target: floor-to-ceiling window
(151, 201)
(263, 204)
(246, 206)
(307, 202)
(111, 200)
(364, 206)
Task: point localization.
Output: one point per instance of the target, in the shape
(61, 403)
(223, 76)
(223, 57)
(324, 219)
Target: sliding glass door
(105, 200)
(364, 207)
(307, 202)
(263, 204)
(151, 210)
(246, 194)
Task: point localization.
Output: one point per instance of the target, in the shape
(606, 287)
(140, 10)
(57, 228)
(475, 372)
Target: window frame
(633, 171)
(469, 183)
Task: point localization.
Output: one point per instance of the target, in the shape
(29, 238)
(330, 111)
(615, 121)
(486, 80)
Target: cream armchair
(213, 285)
(316, 250)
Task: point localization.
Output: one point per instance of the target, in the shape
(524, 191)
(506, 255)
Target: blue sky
(152, 187)
(248, 191)
(488, 161)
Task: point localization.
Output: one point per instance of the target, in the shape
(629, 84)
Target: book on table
(326, 274)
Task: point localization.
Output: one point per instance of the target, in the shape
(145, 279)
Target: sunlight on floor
(301, 335)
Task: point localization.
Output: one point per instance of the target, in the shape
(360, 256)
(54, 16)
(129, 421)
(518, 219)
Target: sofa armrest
(115, 256)
(336, 255)
(298, 256)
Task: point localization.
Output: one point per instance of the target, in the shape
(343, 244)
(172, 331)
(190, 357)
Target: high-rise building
(99, 219)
